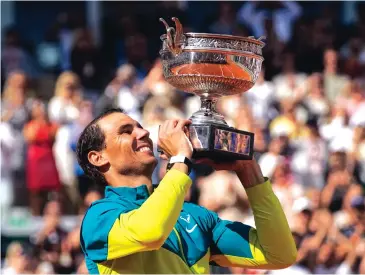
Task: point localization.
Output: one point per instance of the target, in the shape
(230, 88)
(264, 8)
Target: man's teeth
(144, 149)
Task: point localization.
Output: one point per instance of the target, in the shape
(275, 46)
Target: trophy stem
(207, 113)
(208, 105)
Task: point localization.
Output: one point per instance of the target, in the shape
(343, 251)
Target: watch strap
(179, 159)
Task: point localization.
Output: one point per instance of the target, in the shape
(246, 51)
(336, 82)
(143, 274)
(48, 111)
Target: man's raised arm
(271, 244)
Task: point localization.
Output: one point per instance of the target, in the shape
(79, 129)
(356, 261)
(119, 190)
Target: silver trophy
(212, 66)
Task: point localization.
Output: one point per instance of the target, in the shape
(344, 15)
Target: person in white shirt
(270, 160)
(62, 108)
(259, 98)
(7, 142)
(310, 158)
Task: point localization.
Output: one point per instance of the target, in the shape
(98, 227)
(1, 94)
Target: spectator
(346, 219)
(354, 103)
(330, 129)
(260, 145)
(44, 268)
(287, 124)
(75, 129)
(7, 143)
(289, 83)
(269, 160)
(16, 261)
(334, 83)
(15, 113)
(62, 107)
(335, 190)
(309, 159)
(123, 92)
(354, 54)
(14, 57)
(220, 192)
(42, 174)
(49, 240)
(260, 98)
(315, 100)
(71, 255)
(109, 99)
(286, 188)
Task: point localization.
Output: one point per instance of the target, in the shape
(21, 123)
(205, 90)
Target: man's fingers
(174, 123)
(182, 123)
(171, 124)
(166, 125)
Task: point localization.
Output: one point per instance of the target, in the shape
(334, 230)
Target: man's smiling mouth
(144, 149)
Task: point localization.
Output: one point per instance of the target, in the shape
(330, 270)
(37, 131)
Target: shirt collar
(130, 193)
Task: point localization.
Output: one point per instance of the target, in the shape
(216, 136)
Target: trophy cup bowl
(211, 66)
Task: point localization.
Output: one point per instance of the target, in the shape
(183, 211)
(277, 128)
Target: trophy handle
(174, 38)
(179, 31)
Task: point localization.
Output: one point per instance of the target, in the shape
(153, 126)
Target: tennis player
(136, 229)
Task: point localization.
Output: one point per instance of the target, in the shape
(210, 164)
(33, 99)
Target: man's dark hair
(93, 139)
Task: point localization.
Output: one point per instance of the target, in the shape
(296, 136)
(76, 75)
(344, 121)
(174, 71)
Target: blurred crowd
(307, 111)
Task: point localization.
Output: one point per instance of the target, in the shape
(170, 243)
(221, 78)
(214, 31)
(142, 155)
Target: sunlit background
(62, 63)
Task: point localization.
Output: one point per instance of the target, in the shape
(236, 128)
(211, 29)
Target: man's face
(128, 146)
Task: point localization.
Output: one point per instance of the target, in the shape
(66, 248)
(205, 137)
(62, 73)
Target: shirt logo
(187, 219)
(191, 230)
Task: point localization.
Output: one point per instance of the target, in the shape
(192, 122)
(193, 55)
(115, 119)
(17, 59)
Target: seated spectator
(287, 123)
(45, 268)
(289, 84)
(271, 159)
(315, 100)
(336, 130)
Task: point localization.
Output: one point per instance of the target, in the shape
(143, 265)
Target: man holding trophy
(136, 229)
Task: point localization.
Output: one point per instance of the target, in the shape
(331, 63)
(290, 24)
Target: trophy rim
(222, 36)
(220, 51)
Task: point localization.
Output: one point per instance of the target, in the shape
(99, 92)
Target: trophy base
(220, 143)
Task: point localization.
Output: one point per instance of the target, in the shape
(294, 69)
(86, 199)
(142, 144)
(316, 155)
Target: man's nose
(142, 133)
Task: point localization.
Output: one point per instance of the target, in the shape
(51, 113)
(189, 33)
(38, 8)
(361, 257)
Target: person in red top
(42, 174)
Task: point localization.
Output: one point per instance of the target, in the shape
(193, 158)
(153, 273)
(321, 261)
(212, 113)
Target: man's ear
(96, 158)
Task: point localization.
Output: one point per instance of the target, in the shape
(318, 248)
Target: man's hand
(248, 171)
(173, 141)
(172, 138)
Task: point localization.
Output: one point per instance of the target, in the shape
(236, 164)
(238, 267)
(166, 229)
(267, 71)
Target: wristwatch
(179, 159)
